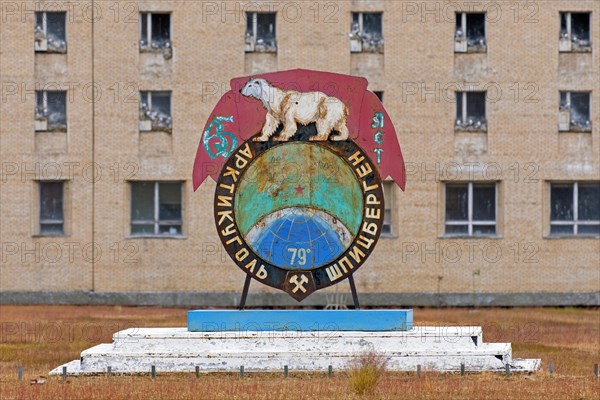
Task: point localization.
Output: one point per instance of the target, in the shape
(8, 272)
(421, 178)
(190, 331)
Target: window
(51, 208)
(379, 95)
(155, 32)
(388, 196)
(574, 112)
(51, 110)
(470, 111)
(50, 32)
(156, 208)
(260, 32)
(469, 34)
(366, 32)
(155, 111)
(470, 209)
(574, 32)
(575, 208)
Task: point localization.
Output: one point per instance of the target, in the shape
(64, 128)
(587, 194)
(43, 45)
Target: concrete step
(177, 350)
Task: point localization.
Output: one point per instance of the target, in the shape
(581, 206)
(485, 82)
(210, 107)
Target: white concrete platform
(438, 348)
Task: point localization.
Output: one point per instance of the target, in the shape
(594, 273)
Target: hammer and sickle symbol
(224, 147)
(299, 284)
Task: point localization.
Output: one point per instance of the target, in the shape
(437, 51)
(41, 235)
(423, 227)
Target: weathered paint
(435, 348)
(259, 200)
(361, 104)
(299, 174)
(299, 320)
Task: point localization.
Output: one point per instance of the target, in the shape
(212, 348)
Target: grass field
(42, 337)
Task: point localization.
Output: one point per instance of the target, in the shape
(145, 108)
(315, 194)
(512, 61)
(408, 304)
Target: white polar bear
(291, 107)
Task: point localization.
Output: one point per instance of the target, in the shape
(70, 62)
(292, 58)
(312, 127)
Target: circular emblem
(299, 215)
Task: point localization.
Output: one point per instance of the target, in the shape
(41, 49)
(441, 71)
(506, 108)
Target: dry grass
(43, 337)
(365, 371)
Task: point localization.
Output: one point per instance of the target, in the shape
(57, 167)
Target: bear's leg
(323, 129)
(289, 129)
(270, 126)
(342, 129)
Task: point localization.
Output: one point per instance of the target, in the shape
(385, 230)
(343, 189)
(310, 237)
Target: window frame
(564, 126)
(147, 124)
(388, 205)
(250, 42)
(148, 34)
(469, 222)
(43, 46)
(461, 44)
(41, 221)
(566, 43)
(575, 222)
(41, 124)
(156, 222)
(356, 41)
(464, 100)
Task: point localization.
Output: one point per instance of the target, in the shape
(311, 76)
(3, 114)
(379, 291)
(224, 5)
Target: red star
(299, 190)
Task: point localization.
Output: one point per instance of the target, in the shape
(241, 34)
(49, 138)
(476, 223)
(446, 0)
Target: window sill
(577, 130)
(49, 235)
(274, 51)
(472, 51)
(579, 236)
(490, 237)
(470, 129)
(579, 50)
(51, 52)
(175, 237)
(388, 236)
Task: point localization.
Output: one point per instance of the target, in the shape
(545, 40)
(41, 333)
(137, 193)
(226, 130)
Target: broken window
(155, 32)
(51, 208)
(366, 32)
(574, 112)
(156, 208)
(470, 111)
(260, 32)
(51, 110)
(575, 31)
(575, 208)
(155, 111)
(469, 33)
(50, 32)
(388, 194)
(470, 209)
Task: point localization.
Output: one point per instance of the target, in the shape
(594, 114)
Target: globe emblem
(299, 238)
(299, 206)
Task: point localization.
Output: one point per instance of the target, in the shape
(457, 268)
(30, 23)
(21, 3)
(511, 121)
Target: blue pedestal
(299, 320)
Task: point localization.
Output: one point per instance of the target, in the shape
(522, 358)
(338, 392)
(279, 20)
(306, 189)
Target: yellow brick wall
(522, 149)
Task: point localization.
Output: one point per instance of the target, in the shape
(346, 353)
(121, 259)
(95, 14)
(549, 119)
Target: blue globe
(299, 238)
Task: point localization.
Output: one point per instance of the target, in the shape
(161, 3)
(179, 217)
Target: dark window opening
(51, 208)
(469, 34)
(155, 108)
(471, 111)
(577, 107)
(575, 31)
(366, 32)
(470, 209)
(575, 208)
(50, 32)
(51, 110)
(155, 31)
(260, 32)
(156, 208)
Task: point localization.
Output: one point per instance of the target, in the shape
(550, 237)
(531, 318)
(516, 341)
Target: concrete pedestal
(436, 348)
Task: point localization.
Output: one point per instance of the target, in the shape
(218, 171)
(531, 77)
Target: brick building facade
(496, 106)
